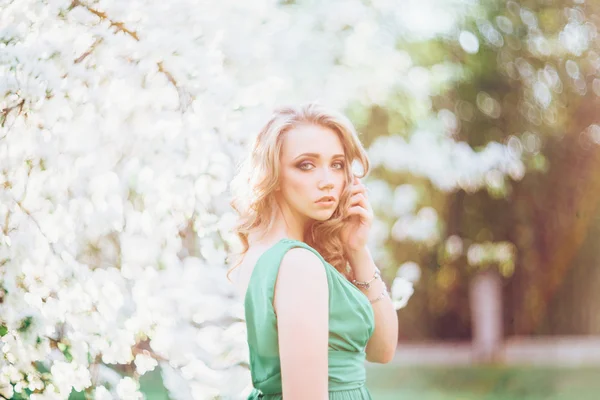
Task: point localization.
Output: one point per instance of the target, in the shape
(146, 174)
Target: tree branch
(120, 26)
(5, 111)
(89, 51)
(184, 97)
(28, 213)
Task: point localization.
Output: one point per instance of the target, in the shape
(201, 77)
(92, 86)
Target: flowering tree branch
(121, 27)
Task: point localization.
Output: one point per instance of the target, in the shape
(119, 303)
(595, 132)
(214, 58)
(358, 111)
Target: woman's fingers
(364, 214)
(359, 196)
(358, 188)
(359, 199)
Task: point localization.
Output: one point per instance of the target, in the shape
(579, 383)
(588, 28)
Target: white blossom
(101, 393)
(144, 363)
(121, 129)
(410, 271)
(453, 247)
(401, 290)
(405, 199)
(6, 391)
(469, 42)
(500, 254)
(67, 376)
(449, 165)
(422, 227)
(128, 389)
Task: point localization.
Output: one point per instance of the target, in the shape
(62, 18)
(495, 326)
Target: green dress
(351, 324)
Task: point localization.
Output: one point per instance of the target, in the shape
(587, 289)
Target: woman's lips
(326, 203)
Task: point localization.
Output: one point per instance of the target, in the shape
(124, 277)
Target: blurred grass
(388, 382)
(483, 383)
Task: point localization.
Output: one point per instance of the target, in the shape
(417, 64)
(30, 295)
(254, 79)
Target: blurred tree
(529, 79)
(534, 85)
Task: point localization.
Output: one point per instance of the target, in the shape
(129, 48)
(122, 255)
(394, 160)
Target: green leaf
(25, 324)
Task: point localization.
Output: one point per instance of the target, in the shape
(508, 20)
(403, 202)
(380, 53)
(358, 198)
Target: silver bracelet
(367, 284)
(381, 296)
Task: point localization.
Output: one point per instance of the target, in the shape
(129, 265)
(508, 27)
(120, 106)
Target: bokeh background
(121, 125)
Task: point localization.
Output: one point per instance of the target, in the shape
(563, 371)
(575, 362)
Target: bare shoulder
(301, 265)
(301, 274)
(301, 261)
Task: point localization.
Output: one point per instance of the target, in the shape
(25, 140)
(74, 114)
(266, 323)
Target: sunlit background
(121, 124)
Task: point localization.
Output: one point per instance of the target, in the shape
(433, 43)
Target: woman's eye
(305, 166)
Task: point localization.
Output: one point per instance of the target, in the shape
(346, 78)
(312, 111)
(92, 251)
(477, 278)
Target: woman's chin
(322, 216)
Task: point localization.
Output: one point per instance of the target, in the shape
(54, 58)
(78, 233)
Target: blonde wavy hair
(253, 186)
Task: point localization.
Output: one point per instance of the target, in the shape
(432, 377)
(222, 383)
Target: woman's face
(313, 172)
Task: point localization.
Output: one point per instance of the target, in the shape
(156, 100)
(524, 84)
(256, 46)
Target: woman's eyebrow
(316, 155)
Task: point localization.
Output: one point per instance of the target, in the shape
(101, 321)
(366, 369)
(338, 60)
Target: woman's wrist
(367, 276)
(366, 285)
(362, 264)
(359, 258)
(374, 289)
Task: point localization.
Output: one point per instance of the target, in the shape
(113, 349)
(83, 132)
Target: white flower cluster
(422, 227)
(448, 164)
(402, 288)
(120, 122)
(501, 254)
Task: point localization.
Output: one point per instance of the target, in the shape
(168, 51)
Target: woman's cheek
(297, 183)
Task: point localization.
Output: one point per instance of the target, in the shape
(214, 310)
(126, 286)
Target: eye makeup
(304, 164)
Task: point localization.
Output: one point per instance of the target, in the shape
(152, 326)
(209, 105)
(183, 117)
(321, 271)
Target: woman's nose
(326, 181)
(325, 185)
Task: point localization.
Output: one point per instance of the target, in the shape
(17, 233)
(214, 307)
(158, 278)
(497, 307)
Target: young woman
(315, 303)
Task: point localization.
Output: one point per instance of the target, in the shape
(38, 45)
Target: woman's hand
(357, 225)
